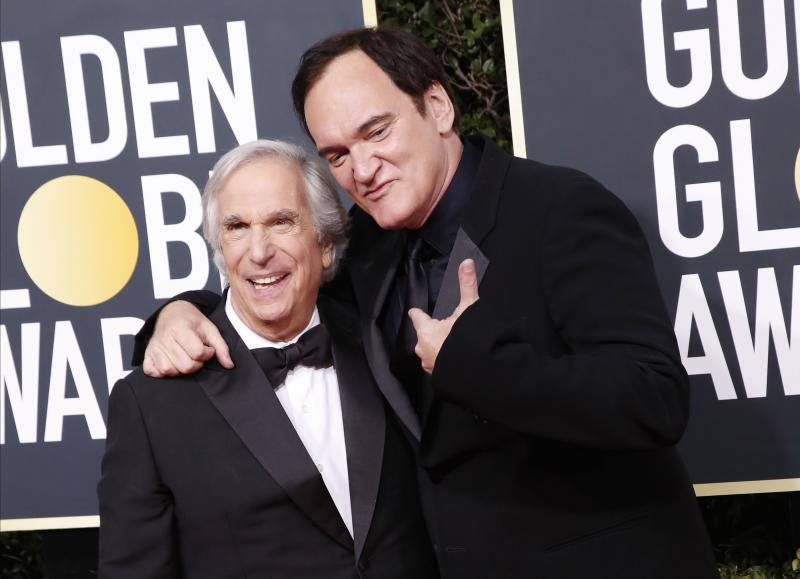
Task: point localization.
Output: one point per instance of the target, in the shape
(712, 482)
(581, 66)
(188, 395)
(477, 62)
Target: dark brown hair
(409, 62)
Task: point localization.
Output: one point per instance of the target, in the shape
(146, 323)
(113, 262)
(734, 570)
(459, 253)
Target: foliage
(21, 556)
(468, 38)
(753, 534)
(789, 570)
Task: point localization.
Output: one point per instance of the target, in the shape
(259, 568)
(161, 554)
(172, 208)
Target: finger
(468, 284)
(213, 339)
(418, 317)
(423, 361)
(180, 361)
(193, 345)
(149, 368)
(162, 366)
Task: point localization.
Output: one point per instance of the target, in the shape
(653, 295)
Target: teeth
(268, 280)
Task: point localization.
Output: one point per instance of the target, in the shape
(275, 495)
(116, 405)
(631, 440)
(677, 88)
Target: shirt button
(319, 467)
(305, 408)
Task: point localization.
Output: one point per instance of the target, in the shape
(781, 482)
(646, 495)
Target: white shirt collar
(253, 340)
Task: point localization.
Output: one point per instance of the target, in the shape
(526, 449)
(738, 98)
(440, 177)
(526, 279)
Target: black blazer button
(363, 565)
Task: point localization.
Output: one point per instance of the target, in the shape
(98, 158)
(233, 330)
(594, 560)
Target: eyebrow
(279, 214)
(362, 128)
(370, 122)
(231, 219)
(285, 214)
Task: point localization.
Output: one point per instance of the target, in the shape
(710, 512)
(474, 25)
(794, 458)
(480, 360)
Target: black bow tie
(313, 349)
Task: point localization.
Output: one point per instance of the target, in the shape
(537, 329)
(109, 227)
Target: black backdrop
(165, 88)
(649, 97)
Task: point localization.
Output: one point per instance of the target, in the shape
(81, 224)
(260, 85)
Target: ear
(439, 106)
(327, 256)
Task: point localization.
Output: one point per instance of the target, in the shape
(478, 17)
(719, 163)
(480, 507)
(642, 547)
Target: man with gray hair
(286, 465)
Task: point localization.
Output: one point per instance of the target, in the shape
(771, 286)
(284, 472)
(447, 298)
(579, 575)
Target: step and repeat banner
(111, 115)
(689, 110)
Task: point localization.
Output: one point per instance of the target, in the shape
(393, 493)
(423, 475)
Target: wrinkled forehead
(264, 182)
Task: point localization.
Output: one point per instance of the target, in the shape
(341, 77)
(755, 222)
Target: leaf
(426, 13)
(478, 24)
(475, 66)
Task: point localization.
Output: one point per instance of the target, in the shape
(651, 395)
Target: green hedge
(468, 38)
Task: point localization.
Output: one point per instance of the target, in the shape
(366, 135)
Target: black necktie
(405, 363)
(416, 294)
(313, 349)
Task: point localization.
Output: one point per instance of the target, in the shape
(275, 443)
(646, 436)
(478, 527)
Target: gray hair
(327, 212)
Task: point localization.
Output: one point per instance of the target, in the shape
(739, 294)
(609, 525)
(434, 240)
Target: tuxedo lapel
(362, 414)
(450, 292)
(480, 213)
(248, 403)
(372, 279)
(478, 220)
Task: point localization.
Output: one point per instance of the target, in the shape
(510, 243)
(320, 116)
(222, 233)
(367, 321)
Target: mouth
(267, 281)
(377, 192)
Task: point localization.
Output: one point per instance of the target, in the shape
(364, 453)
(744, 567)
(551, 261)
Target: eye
(284, 222)
(336, 160)
(234, 226)
(379, 133)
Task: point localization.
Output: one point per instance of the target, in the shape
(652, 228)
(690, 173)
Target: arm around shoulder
(205, 301)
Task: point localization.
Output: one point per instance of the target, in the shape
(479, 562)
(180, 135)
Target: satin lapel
(246, 400)
(363, 416)
(450, 292)
(478, 220)
(372, 279)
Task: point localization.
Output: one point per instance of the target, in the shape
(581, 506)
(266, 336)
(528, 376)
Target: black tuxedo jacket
(205, 476)
(545, 448)
(546, 445)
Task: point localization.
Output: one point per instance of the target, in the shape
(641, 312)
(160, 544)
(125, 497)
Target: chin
(392, 221)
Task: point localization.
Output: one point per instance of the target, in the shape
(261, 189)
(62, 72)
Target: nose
(365, 165)
(261, 248)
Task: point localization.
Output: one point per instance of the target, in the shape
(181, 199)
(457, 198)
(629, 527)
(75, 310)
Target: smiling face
(272, 256)
(394, 162)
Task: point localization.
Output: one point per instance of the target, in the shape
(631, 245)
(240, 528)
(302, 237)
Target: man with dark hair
(410, 65)
(536, 373)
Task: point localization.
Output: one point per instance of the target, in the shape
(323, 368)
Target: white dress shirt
(310, 398)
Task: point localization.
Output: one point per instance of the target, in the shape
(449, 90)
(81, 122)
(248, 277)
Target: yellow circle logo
(78, 240)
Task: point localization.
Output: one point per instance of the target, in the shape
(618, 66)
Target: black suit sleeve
(620, 384)
(137, 527)
(204, 300)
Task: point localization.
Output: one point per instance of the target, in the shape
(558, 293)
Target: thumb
(418, 317)
(468, 284)
(211, 336)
